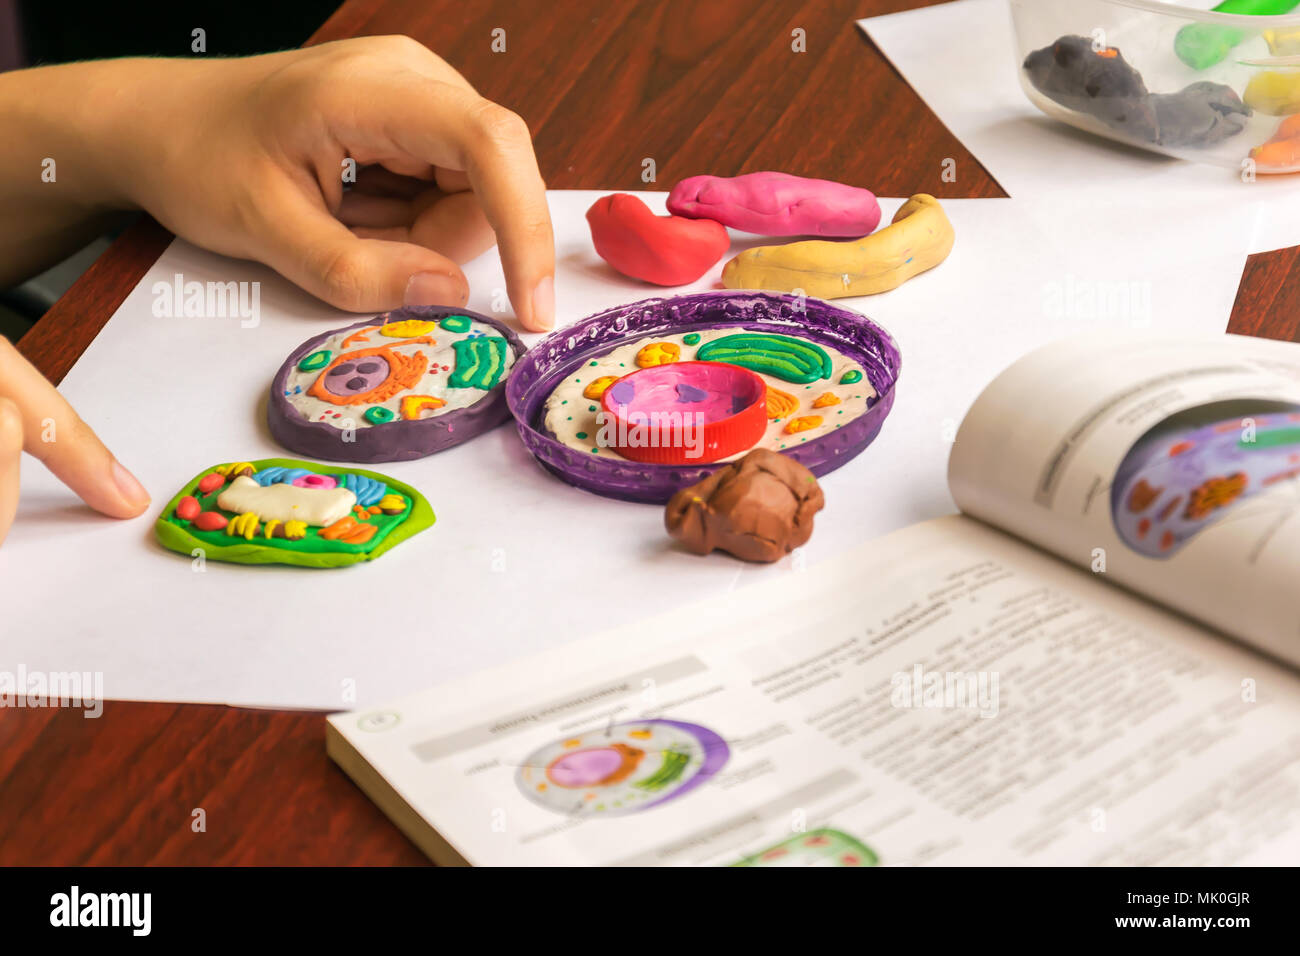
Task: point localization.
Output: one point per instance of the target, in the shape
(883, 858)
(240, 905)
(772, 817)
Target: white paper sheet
(518, 561)
(961, 58)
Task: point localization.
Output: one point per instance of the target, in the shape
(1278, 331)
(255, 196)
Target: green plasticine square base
(176, 535)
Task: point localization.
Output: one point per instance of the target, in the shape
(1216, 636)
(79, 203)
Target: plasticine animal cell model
(399, 386)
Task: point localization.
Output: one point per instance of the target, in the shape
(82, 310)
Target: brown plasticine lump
(759, 508)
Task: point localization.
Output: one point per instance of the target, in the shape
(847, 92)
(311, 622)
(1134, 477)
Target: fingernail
(129, 485)
(544, 304)
(432, 288)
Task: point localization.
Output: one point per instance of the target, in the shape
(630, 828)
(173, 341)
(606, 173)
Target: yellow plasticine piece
(826, 399)
(1283, 42)
(802, 424)
(780, 404)
(269, 530)
(919, 238)
(1274, 92)
(407, 328)
(658, 353)
(295, 529)
(243, 526)
(595, 389)
(234, 468)
(413, 405)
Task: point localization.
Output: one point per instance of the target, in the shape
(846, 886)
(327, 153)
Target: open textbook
(1097, 662)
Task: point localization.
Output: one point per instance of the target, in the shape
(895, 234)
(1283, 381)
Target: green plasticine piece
(378, 415)
(791, 360)
(311, 551)
(1202, 45)
(479, 362)
(315, 360)
(851, 377)
(455, 323)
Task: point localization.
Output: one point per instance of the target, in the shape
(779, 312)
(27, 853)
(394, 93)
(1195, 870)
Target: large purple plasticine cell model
(537, 374)
(394, 439)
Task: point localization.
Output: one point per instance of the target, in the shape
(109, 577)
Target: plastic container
(1211, 87)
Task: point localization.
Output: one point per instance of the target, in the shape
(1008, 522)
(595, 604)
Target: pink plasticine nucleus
(777, 204)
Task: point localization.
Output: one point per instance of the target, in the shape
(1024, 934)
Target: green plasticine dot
(315, 360)
(591, 408)
(593, 364)
(456, 323)
(582, 435)
(378, 415)
(691, 338)
(851, 376)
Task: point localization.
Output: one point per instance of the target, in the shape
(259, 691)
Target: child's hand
(249, 157)
(34, 417)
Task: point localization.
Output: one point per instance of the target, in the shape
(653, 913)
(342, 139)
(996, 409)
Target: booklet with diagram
(1096, 662)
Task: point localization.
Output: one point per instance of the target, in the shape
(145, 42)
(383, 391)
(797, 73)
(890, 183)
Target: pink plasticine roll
(777, 204)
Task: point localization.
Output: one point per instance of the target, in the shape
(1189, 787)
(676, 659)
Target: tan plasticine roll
(919, 238)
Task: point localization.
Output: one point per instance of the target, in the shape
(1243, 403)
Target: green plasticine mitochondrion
(179, 535)
(792, 360)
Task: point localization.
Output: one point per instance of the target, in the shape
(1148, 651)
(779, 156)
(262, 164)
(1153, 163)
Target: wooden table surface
(699, 87)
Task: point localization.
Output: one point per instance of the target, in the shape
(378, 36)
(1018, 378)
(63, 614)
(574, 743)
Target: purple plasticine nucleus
(394, 387)
(551, 360)
(777, 204)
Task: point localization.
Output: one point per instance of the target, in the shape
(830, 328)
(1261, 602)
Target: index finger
(54, 433)
(492, 145)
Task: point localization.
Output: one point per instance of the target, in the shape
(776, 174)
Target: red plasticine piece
(665, 250)
(210, 521)
(211, 482)
(188, 508)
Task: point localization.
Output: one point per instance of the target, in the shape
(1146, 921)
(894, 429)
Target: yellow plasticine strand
(826, 399)
(233, 467)
(779, 403)
(295, 529)
(407, 328)
(596, 388)
(802, 424)
(919, 238)
(270, 527)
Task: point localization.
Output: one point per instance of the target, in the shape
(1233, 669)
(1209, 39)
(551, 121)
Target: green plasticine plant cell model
(285, 511)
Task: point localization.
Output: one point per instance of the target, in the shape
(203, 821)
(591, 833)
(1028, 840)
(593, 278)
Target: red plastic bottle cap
(684, 413)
